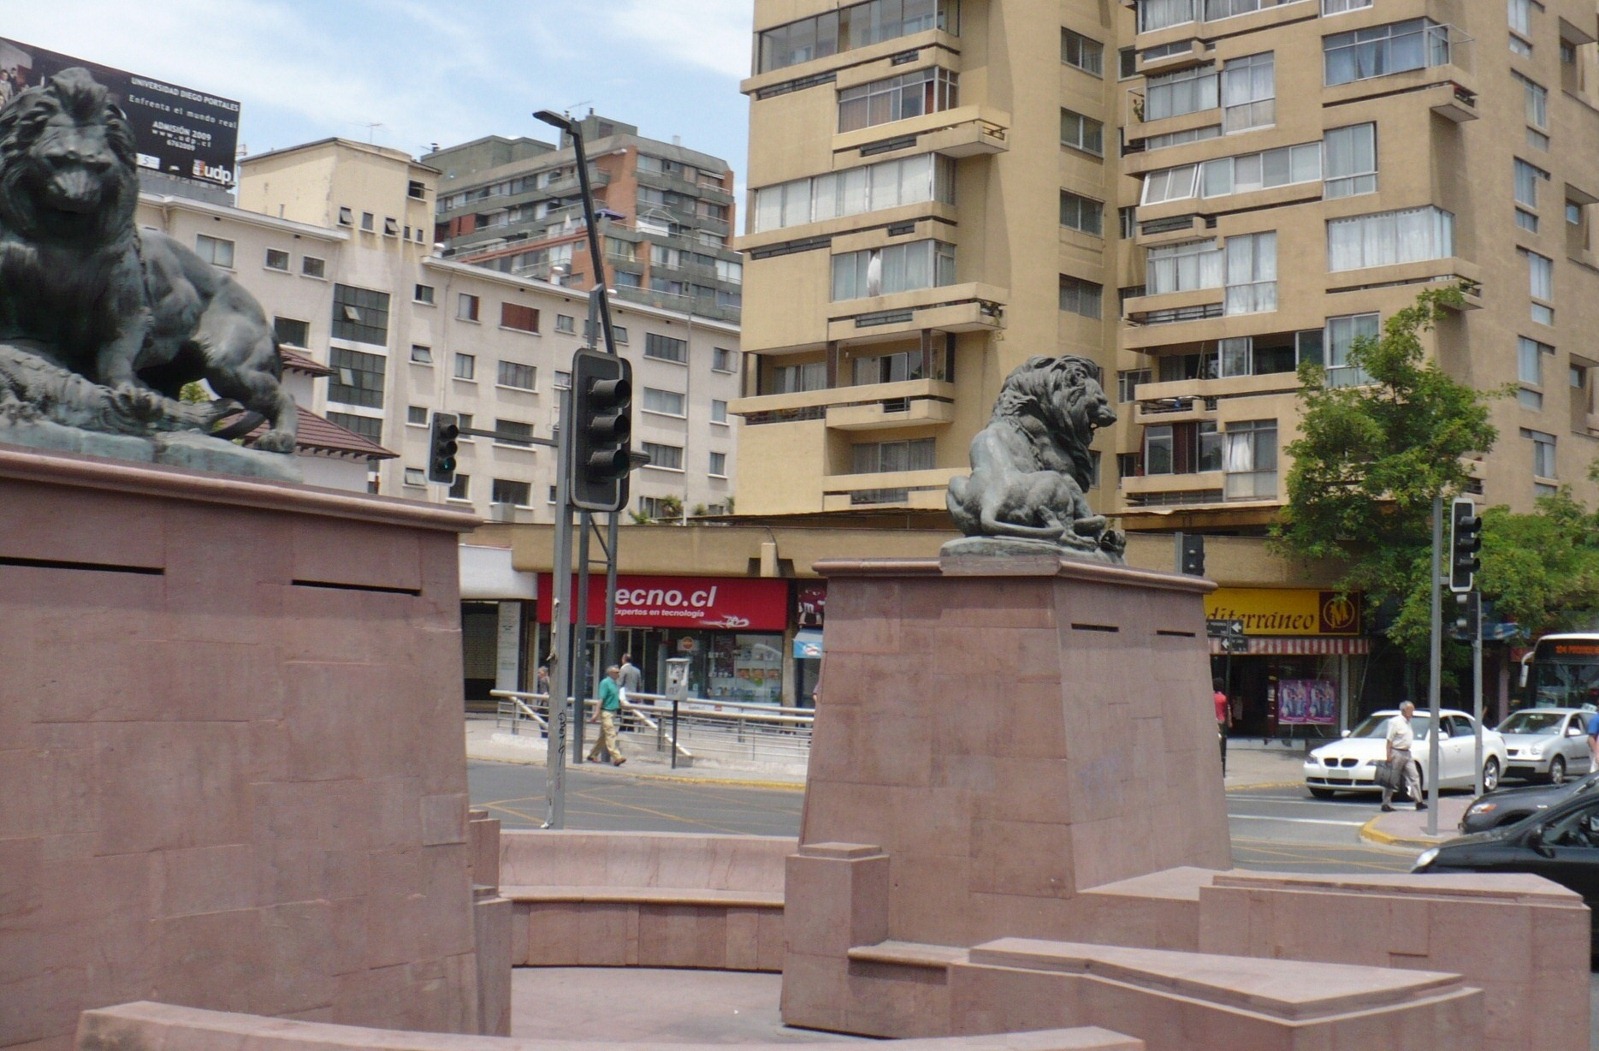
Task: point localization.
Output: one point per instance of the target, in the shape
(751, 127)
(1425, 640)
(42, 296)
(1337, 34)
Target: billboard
(180, 132)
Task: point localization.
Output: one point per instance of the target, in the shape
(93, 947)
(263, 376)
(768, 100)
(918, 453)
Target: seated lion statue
(86, 290)
(1031, 464)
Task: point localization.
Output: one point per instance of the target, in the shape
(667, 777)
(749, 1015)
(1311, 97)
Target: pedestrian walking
(632, 678)
(1224, 719)
(1400, 739)
(610, 710)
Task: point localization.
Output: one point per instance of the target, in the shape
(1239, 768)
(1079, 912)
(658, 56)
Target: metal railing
(706, 729)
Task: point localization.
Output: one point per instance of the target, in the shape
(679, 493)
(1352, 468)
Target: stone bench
(662, 899)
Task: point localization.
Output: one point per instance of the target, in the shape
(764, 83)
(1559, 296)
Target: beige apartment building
(335, 239)
(1198, 194)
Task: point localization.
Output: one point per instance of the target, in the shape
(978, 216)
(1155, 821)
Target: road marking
(1293, 820)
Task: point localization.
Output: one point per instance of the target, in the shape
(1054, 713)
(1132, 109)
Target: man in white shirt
(1400, 740)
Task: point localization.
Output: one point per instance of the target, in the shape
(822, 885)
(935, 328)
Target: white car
(1350, 765)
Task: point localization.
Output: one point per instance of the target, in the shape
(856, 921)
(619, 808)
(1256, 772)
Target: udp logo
(1340, 614)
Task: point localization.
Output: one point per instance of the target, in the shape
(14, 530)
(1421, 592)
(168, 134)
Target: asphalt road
(1279, 829)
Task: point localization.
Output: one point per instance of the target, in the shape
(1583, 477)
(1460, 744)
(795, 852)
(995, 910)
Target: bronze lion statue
(83, 288)
(1031, 465)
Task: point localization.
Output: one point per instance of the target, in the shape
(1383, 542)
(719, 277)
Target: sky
(409, 73)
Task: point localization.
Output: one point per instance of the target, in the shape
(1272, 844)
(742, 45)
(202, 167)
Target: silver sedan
(1546, 744)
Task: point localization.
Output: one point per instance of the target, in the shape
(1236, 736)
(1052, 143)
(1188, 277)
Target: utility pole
(1435, 664)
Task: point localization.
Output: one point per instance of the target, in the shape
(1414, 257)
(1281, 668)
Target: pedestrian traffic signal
(1465, 539)
(602, 424)
(443, 430)
(1191, 554)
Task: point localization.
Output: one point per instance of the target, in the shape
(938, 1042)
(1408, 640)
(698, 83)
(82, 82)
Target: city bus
(1562, 671)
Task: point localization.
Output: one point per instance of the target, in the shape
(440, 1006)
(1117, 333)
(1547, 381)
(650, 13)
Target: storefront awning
(807, 644)
(1296, 647)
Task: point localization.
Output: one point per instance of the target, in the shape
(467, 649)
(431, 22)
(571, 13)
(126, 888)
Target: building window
(1161, 14)
(886, 457)
(1127, 382)
(416, 476)
(563, 380)
(1170, 184)
(666, 402)
(887, 184)
(1182, 448)
(665, 348)
(465, 367)
(667, 457)
(466, 307)
(462, 488)
(1543, 453)
(1082, 133)
(360, 314)
(416, 414)
(421, 355)
(565, 323)
(1081, 213)
(1080, 297)
(311, 266)
(1267, 355)
(1246, 172)
(346, 216)
(368, 427)
(423, 294)
(522, 377)
(1183, 267)
(357, 378)
(1248, 93)
(894, 268)
(519, 317)
(1251, 460)
(277, 259)
(1381, 50)
(416, 190)
(1541, 275)
(718, 411)
(1082, 52)
(215, 250)
(1251, 273)
(1338, 7)
(1127, 63)
(290, 332)
(896, 98)
(1342, 332)
(792, 379)
(518, 494)
(1527, 179)
(1185, 91)
(368, 221)
(1390, 238)
(1535, 98)
(513, 433)
(1529, 369)
(856, 25)
(718, 465)
(1350, 160)
(722, 360)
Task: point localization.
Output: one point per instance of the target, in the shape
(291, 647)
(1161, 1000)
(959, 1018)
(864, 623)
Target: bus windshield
(1564, 672)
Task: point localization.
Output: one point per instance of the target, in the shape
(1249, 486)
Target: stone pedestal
(995, 736)
(230, 751)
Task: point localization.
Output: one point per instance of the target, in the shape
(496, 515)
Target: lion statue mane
(1031, 464)
(83, 289)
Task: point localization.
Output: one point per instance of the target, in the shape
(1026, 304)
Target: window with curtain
(1521, 16)
(1338, 7)
(882, 457)
(1529, 360)
(1182, 448)
(1541, 281)
(893, 268)
(1342, 333)
(896, 98)
(1535, 101)
(1159, 14)
(1527, 179)
(791, 379)
(1251, 273)
(1258, 171)
(1182, 267)
(1248, 93)
(1543, 453)
(1350, 160)
(1389, 238)
(1185, 91)
(1251, 460)
(1378, 51)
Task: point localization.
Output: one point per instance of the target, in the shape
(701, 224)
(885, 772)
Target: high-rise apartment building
(1200, 195)
(666, 214)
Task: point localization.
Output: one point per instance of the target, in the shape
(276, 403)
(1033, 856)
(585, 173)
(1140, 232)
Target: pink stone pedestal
(995, 736)
(231, 772)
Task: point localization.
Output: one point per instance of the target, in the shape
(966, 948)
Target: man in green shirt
(610, 711)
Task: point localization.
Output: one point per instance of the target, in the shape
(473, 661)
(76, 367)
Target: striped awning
(1295, 647)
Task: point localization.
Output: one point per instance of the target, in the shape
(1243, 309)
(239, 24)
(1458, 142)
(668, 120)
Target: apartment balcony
(1178, 401)
(969, 307)
(1450, 67)
(1199, 487)
(1448, 272)
(1188, 408)
(866, 406)
(965, 131)
(924, 489)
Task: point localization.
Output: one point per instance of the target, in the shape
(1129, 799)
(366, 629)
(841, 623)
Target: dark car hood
(1528, 797)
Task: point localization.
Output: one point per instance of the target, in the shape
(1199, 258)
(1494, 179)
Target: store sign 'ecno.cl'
(1286, 611)
(684, 602)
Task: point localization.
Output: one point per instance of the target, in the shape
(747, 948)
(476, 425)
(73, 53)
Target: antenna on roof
(370, 126)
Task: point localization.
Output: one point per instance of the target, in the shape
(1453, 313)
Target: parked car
(1506, 806)
(1546, 744)
(1561, 844)
(1349, 765)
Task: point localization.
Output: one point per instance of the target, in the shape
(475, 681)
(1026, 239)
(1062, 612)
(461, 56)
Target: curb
(645, 772)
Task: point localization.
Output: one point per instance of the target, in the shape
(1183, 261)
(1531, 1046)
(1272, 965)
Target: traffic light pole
(1435, 667)
(561, 682)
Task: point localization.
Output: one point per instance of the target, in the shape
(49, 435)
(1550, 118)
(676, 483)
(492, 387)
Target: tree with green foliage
(1371, 457)
(1541, 571)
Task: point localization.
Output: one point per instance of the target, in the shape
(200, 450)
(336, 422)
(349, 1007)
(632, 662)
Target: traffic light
(602, 423)
(1465, 538)
(1468, 615)
(443, 430)
(1191, 554)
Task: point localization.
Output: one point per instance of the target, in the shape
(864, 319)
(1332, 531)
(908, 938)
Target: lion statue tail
(955, 499)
